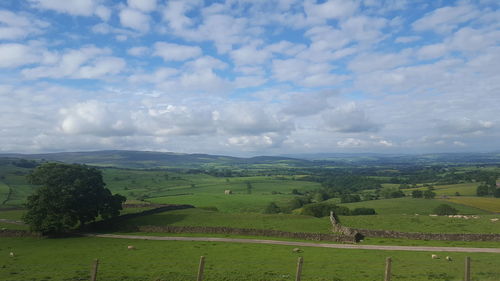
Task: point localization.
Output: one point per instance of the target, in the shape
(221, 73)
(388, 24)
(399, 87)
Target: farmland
(253, 187)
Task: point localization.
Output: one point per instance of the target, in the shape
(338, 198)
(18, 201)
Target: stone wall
(249, 232)
(337, 227)
(18, 233)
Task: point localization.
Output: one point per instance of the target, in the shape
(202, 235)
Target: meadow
(486, 203)
(71, 258)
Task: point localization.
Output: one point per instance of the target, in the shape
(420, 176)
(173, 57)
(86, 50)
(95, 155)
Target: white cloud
(135, 19)
(464, 126)
(95, 118)
(446, 19)
(87, 63)
(73, 7)
(18, 26)
(14, 55)
(138, 51)
(349, 118)
(143, 5)
(407, 39)
(176, 52)
(331, 9)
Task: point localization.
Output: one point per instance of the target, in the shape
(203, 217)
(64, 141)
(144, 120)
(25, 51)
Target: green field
(70, 259)
(485, 203)
(198, 217)
(424, 223)
(410, 206)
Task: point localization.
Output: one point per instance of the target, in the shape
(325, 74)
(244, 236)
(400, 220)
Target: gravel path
(303, 244)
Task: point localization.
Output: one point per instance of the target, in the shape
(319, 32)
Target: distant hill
(151, 159)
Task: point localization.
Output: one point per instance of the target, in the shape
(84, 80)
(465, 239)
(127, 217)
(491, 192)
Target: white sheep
(493, 220)
(12, 254)
(434, 257)
(131, 247)
(448, 258)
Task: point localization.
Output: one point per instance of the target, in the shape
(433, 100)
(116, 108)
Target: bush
(349, 198)
(417, 194)
(445, 209)
(323, 209)
(363, 211)
(272, 208)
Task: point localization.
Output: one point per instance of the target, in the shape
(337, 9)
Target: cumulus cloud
(464, 126)
(74, 7)
(95, 118)
(88, 63)
(17, 26)
(14, 55)
(143, 5)
(446, 19)
(176, 52)
(349, 118)
(135, 19)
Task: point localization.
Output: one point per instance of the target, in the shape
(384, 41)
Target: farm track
(301, 244)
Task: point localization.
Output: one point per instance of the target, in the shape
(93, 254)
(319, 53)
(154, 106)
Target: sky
(241, 77)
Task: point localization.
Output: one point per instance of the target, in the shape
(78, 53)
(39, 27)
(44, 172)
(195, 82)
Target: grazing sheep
(493, 220)
(131, 247)
(434, 257)
(448, 258)
(433, 215)
(297, 250)
(228, 192)
(11, 254)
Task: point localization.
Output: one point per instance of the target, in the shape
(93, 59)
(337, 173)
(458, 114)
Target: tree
(482, 190)
(69, 195)
(272, 208)
(429, 194)
(445, 209)
(417, 194)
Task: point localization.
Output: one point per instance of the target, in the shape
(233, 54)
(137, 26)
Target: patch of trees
(69, 196)
(445, 210)
(23, 163)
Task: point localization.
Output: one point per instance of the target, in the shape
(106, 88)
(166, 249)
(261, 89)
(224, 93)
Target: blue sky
(243, 77)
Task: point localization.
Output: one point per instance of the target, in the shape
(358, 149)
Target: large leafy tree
(69, 195)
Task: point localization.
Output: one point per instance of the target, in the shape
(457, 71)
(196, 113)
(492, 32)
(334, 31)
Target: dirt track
(303, 244)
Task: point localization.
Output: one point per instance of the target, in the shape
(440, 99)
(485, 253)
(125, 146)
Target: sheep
(448, 258)
(434, 257)
(131, 247)
(12, 254)
(493, 220)
(297, 250)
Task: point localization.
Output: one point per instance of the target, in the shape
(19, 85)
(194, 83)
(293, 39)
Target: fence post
(467, 269)
(388, 268)
(93, 271)
(201, 267)
(299, 269)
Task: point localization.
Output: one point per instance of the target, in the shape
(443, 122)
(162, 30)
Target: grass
(485, 203)
(70, 259)
(465, 189)
(423, 223)
(198, 217)
(411, 206)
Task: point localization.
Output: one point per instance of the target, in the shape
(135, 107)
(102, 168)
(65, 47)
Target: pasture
(411, 206)
(70, 259)
(486, 203)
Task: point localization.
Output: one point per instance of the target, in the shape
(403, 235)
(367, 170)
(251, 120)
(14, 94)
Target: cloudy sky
(242, 77)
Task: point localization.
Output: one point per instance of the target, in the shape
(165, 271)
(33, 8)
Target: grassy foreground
(70, 259)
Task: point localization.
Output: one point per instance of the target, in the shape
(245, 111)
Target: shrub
(445, 209)
(272, 208)
(323, 209)
(363, 211)
(349, 198)
(417, 194)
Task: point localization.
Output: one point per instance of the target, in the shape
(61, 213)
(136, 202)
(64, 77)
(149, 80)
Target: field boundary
(250, 232)
(468, 237)
(301, 244)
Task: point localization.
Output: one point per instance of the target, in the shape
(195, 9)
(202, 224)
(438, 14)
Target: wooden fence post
(201, 267)
(93, 271)
(299, 269)
(467, 269)
(388, 268)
